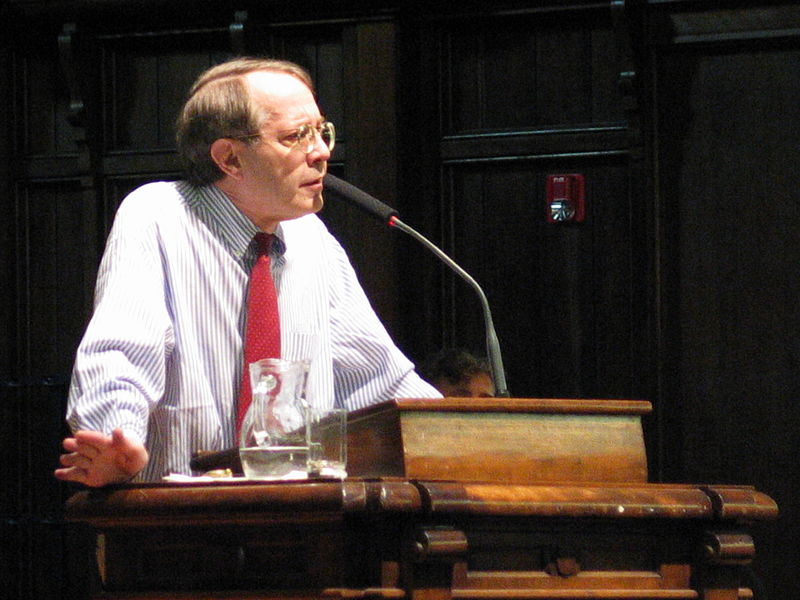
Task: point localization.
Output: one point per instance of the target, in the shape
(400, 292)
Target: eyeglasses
(304, 137)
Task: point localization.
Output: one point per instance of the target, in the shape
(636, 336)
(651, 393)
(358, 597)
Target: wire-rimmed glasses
(304, 137)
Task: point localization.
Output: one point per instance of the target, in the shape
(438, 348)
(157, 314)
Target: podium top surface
(511, 405)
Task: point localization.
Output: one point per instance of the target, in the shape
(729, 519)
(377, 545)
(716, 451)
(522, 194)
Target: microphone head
(360, 198)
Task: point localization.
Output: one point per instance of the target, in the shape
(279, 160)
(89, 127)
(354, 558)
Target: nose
(320, 152)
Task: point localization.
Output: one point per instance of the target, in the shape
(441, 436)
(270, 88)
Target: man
(457, 373)
(157, 374)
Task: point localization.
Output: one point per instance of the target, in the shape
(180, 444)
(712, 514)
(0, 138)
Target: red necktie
(263, 329)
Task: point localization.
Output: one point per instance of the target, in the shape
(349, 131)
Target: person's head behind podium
(455, 372)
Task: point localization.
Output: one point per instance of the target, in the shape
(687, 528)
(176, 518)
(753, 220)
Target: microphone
(362, 199)
(390, 217)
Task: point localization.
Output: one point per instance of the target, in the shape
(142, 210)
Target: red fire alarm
(565, 198)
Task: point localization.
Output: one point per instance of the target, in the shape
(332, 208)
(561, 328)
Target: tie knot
(264, 242)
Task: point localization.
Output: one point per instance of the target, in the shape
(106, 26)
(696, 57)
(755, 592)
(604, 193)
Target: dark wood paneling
(736, 223)
(561, 294)
(684, 294)
(524, 96)
(43, 105)
(146, 85)
(320, 49)
(527, 72)
(728, 125)
(57, 253)
(371, 100)
(8, 353)
(33, 563)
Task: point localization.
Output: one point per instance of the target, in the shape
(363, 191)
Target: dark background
(681, 286)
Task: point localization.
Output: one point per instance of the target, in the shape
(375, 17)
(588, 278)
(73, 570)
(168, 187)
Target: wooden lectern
(485, 499)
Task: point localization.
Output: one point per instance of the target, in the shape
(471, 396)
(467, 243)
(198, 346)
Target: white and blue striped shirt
(161, 357)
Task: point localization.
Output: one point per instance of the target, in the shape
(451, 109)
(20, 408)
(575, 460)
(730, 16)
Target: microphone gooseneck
(390, 217)
(362, 199)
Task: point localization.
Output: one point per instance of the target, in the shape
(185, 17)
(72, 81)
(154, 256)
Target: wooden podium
(454, 498)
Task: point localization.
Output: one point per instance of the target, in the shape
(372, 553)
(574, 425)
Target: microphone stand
(492, 343)
(388, 216)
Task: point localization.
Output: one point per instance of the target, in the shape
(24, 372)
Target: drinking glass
(327, 442)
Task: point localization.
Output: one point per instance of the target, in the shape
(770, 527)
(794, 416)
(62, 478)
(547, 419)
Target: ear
(225, 154)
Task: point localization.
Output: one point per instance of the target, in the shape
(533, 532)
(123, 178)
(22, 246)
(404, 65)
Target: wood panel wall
(680, 287)
(497, 138)
(725, 121)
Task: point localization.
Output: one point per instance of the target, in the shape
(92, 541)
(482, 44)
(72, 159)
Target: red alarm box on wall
(565, 198)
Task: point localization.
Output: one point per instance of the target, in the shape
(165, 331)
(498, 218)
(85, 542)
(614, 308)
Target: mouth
(314, 184)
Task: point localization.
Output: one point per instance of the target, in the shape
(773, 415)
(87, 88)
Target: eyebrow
(298, 126)
(308, 120)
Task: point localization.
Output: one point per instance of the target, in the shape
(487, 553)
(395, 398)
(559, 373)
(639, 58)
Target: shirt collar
(233, 228)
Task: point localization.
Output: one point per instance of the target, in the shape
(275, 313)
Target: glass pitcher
(273, 441)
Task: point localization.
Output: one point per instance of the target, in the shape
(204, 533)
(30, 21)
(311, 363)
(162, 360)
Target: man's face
(280, 181)
(478, 385)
